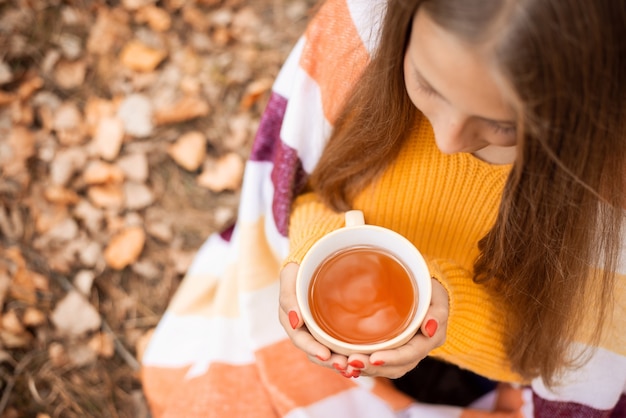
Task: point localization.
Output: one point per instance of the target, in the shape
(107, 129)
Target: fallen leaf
(125, 248)
(109, 137)
(106, 196)
(68, 124)
(134, 166)
(136, 4)
(224, 174)
(14, 153)
(111, 26)
(137, 196)
(185, 109)
(60, 195)
(158, 19)
(74, 315)
(135, 111)
(97, 109)
(33, 317)
(100, 172)
(189, 150)
(138, 56)
(25, 284)
(102, 344)
(66, 163)
(83, 281)
(70, 74)
(57, 354)
(254, 91)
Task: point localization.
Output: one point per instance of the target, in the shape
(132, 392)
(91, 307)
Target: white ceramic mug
(356, 233)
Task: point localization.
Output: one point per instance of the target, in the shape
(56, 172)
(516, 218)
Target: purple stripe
(227, 233)
(620, 409)
(268, 134)
(555, 409)
(289, 179)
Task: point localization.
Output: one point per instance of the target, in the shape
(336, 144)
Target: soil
(124, 126)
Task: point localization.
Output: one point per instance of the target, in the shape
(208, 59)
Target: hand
(397, 362)
(388, 363)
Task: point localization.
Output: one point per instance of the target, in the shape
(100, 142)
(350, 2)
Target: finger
(287, 298)
(435, 321)
(303, 340)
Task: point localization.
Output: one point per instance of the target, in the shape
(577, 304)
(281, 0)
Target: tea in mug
(362, 295)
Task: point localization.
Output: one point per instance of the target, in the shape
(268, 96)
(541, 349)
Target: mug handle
(354, 218)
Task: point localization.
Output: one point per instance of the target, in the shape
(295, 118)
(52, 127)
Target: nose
(451, 134)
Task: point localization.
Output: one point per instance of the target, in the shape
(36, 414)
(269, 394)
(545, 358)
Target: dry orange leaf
(96, 109)
(158, 19)
(25, 284)
(140, 57)
(106, 196)
(100, 172)
(254, 91)
(185, 109)
(225, 174)
(125, 248)
(70, 74)
(61, 195)
(189, 150)
(102, 344)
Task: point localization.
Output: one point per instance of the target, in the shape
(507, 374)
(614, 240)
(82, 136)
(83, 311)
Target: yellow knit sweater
(444, 204)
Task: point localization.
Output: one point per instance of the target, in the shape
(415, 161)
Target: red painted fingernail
(293, 319)
(356, 373)
(378, 363)
(338, 367)
(346, 374)
(431, 327)
(357, 364)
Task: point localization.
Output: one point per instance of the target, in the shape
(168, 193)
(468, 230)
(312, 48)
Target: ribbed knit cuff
(474, 323)
(310, 220)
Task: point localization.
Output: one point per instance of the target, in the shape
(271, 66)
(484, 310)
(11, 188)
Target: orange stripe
(333, 54)
(225, 390)
(293, 381)
(158, 384)
(385, 390)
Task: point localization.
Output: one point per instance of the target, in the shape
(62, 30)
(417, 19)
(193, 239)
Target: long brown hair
(562, 209)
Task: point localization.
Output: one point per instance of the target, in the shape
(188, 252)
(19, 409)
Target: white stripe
(598, 384)
(261, 311)
(257, 191)
(284, 83)
(186, 340)
(305, 127)
(356, 403)
(212, 258)
(367, 16)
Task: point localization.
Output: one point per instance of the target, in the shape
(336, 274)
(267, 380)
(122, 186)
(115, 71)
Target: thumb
(287, 300)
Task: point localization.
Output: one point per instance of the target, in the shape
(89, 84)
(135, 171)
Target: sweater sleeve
(310, 220)
(474, 327)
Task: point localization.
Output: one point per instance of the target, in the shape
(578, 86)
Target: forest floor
(124, 127)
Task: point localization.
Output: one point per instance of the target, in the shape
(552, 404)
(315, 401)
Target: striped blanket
(219, 350)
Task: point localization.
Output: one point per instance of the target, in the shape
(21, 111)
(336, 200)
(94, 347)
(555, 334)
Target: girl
(488, 132)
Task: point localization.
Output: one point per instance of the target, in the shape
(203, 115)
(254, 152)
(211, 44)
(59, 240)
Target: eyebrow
(425, 82)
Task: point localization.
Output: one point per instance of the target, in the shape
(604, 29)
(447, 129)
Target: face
(453, 84)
